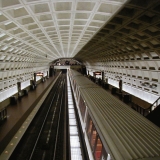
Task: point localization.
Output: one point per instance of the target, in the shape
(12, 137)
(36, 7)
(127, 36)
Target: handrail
(154, 103)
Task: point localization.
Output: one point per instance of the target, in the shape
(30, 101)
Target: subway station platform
(17, 114)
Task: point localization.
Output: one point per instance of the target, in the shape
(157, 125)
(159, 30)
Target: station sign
(97, 73)
(39, 74)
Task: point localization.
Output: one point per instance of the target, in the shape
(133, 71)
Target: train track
(44, 138)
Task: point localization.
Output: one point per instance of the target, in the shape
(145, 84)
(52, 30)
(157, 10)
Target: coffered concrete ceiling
(116, 36)
(40, 31)
(132, 34)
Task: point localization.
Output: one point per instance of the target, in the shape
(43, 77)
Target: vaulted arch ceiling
(34, 33)
(115, 34)
(44, 30)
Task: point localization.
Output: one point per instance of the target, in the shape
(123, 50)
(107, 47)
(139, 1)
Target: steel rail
(31, 155)
(54, 155)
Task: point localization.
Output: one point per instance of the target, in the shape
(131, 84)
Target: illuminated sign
(39, 74)
(97, 73)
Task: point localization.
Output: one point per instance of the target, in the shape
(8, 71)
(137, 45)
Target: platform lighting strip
(75, 146)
